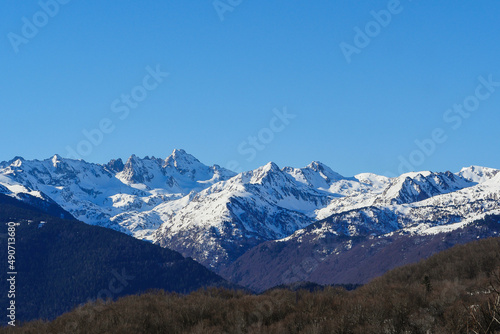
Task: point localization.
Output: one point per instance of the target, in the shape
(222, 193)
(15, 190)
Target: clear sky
(352, 84)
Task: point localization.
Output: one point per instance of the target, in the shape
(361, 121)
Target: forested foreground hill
(455, 291)
(64, 263)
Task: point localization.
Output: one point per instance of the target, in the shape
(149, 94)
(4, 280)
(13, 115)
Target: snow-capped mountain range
(215, 215)
(101, 194)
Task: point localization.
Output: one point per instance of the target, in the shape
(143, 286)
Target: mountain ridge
(216, 216)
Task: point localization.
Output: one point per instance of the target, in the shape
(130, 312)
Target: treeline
(456, 291)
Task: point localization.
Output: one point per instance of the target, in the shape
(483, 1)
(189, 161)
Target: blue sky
(233, 68)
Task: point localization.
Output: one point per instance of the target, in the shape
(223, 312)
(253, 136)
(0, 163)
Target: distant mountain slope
(226, 220)
(222, 222)
(62, 263)
(405, 189)
(325, 255)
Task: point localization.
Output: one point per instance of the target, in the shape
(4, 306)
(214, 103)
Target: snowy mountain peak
(316, 175)
(56, 160)
(180, 173)
(271, 166)
(413, 175)
(268, 172)
(375, 180)
(325, 170)
(133, 159)
(179, 155)
(418, 186)
(478, 174)
(179, 152)
(319, 166)
(137, 170)
(16, 162)
(183, 162)
(185, 166)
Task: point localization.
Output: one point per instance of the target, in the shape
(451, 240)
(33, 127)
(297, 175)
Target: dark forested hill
(63, 263)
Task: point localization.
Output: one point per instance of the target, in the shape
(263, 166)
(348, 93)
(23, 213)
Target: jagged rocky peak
(132, 159)
(131, 162)
(182, 161)
(320, 167)
(135, 170)
(271, 166)
(60, 165)
(115, 165)
(13, 163)
(17, 161)
(268, 173)
(136, 161)
(316, 175)
(417, 186)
